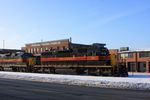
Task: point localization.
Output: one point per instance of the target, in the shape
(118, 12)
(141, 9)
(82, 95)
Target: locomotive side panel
(89, 54)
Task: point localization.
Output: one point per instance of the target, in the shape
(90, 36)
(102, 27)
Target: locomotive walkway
(26, 90)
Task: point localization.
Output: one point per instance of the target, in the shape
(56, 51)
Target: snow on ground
(92, 81)
(139, 75)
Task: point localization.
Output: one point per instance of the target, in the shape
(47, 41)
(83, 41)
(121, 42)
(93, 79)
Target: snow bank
(92, 81)
(139, 75)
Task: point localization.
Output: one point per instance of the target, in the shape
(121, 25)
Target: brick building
(37, 48)
(63, 44)
(136, 61)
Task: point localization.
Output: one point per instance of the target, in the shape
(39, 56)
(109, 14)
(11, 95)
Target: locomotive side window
(82, 50)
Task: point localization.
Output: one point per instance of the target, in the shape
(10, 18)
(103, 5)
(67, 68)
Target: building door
(141, 67)
(149, 67)
(131, 66)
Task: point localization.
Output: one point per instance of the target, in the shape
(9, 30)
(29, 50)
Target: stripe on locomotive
(82, 58)
(11, 60)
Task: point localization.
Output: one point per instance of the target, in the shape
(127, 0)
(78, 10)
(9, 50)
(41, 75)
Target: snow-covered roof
(143, 49)
(138, 50)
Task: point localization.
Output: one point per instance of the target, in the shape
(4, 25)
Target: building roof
(2, 51)
(36, 43)
(140, 50)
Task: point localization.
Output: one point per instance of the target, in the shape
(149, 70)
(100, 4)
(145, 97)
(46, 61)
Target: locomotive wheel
(52, 70)
(30, 69)
(80, 70)
(1, 69)
(91, 71)
(14, 69)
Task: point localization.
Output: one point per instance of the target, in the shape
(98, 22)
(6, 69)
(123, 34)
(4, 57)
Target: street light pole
(3, 44)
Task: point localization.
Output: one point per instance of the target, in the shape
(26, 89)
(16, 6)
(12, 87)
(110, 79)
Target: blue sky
(117, 23)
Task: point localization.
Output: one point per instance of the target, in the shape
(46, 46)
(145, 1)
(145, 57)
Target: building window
(126, 55)
(64, 47)
(132, 67)
(57, 48)
(41, 49)
(130, 55)
(149, 66)
(34, 50)
(31, 50)
(144, 54)
(141, 67)
(37, 50)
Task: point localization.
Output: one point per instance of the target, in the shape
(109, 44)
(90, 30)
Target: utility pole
(41, 47)
(70, 39)
(3, 44)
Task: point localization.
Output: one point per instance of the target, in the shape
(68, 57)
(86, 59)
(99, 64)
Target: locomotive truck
(83, 59)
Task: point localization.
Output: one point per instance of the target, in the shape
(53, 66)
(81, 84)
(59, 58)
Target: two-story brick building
(39, 47)
(136, 61)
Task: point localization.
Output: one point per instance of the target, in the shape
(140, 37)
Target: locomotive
(82, 59)
(13, 59)
(95, 54)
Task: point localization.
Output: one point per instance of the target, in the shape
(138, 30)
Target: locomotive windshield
(104, 52)
(99, 49)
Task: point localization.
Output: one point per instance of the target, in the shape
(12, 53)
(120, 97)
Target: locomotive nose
(31, 61)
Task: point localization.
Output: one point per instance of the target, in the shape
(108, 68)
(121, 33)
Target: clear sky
(117, 23)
